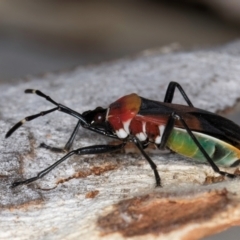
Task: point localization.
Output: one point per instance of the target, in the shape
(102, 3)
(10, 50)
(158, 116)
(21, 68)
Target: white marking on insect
(141, 136)
(126, 125)
(107, 113)
(121, 133)
(158, 140)
(144, 127)
(161, 131)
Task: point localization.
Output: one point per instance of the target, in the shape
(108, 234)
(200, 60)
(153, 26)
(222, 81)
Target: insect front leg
(97, 149)
(69, 143)
(170, 93)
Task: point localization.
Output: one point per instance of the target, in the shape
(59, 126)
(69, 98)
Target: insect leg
(69, 143)
(167, 131)
(97, 149)
(150, 161)
(170, 93)
(208, 158)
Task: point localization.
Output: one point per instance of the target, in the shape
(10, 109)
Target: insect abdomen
(222, 153)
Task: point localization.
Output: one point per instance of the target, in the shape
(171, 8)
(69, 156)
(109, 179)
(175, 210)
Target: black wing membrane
(206, 122)
(218, 126)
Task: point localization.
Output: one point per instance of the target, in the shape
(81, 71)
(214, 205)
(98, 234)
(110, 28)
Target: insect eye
(99, 118)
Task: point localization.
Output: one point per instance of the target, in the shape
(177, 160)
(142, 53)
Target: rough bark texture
(114, 195)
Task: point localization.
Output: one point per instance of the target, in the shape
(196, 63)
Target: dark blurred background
(42, 36)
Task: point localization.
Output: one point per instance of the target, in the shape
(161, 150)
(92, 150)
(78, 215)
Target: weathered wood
(75, 201)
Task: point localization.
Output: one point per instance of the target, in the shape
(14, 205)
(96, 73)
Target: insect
(184, 129)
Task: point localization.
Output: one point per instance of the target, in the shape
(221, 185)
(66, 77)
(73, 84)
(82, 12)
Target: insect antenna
(59, 107)
(27, 119)
(41, 94)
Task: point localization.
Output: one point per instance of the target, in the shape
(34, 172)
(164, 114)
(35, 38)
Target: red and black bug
(192, 132)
